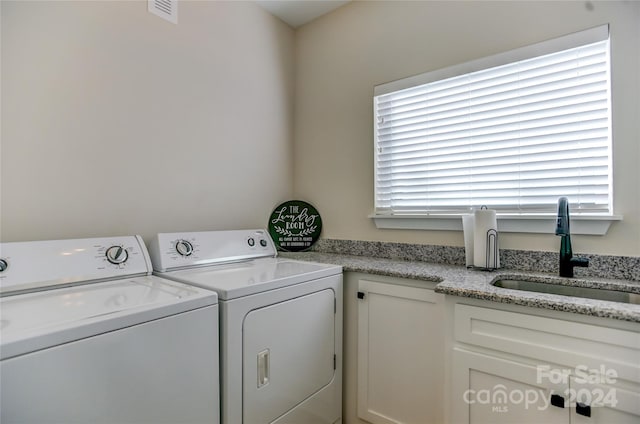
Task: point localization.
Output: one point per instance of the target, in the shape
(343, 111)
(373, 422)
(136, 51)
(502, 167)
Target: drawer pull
(557, 400)
(583, 409)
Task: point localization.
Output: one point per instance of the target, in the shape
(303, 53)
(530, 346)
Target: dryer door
(288, 355)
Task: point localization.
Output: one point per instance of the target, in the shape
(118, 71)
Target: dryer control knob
(117, 255)
(3, 265)
(184, 248)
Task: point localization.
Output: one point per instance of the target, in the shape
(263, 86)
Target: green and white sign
(295, 226)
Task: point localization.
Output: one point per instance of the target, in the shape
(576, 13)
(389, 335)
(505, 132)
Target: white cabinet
(497, 391)
(604, 404)
(514, 367)
(399, 353)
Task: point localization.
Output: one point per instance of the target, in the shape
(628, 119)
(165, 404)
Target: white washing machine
(280, 324)
(90, 336)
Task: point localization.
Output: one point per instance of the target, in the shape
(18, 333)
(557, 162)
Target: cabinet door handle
(583, 409)
(557, 400)
(360, 295)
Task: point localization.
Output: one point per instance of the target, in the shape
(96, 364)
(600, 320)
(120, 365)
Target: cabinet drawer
(550, 340)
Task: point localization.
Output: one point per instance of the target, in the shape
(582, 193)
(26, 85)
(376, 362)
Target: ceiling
(299, 12)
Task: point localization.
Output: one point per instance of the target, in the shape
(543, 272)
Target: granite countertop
(460, 281)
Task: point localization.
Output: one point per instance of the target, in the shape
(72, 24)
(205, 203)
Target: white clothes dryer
(90, 336)
(280, 324)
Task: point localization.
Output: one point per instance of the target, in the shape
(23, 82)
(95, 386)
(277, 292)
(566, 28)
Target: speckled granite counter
(459, 281)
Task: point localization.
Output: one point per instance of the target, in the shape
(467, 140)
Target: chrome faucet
(567, 261)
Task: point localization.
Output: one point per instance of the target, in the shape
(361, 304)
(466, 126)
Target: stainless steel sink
(574, 291)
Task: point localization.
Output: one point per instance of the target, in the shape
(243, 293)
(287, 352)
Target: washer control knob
(184, 247)
(251, 241)
(3, 265)
(263, 243)
(117, 255)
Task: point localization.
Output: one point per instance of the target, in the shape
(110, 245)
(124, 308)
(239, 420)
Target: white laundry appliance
(88, 335)
(280, 324)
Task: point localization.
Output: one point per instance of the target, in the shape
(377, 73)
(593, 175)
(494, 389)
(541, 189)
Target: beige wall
(116, 122)
(342, 56)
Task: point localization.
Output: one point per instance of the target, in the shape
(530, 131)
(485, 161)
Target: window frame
(586, 223)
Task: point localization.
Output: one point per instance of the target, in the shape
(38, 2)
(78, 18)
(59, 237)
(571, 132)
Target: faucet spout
(567, 261)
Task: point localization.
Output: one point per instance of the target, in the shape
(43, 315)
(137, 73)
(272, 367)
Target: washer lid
(239, 279)
(43, 319)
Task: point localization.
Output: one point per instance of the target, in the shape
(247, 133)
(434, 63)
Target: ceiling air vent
(166, 9)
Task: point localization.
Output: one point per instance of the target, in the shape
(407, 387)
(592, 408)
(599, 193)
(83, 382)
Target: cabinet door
(400, 354)
(603, 404)
(493, 390)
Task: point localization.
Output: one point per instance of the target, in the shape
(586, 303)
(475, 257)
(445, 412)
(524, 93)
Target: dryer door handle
(263, 368)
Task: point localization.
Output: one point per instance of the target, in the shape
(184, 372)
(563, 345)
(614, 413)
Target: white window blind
(514, 137)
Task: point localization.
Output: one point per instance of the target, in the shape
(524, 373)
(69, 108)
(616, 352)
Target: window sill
(544, 224)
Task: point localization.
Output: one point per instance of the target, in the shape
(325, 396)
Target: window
(513, 131)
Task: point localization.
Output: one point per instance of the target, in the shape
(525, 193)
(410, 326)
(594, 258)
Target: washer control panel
(39, 264)
(179, 250)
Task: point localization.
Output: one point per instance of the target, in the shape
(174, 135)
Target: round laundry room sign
(295, 226)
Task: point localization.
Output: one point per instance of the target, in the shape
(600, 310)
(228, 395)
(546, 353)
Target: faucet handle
(582, 262)
(562, 221)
